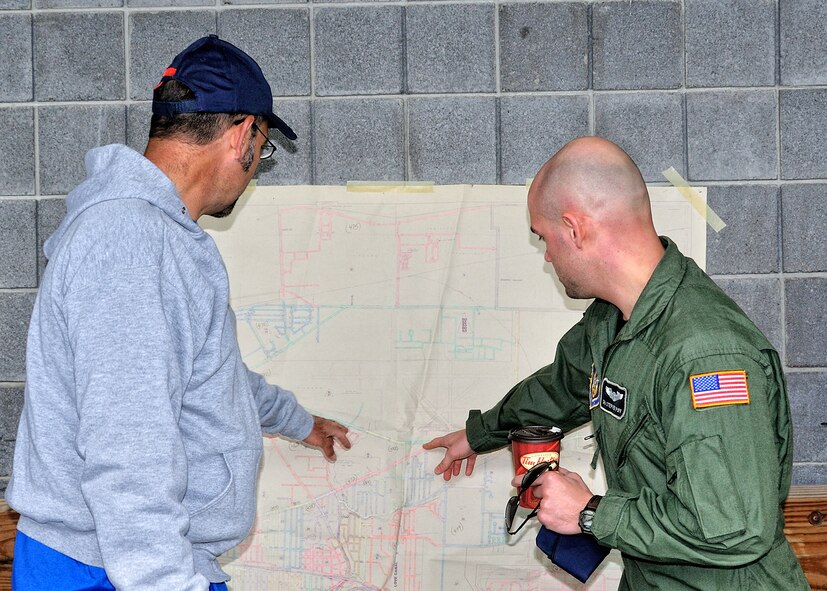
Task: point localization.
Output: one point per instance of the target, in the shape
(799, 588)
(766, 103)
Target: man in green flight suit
(686, 396)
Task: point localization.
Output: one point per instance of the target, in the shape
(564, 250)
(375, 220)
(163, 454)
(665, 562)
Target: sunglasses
(514, 502)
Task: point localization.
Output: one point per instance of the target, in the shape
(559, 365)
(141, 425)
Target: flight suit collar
(654, 298)
(658, 291)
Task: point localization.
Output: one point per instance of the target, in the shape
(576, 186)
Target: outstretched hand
(325, 432)
(457, 449)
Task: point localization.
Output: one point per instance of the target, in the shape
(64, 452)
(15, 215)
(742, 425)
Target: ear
(575, 228)
(238, 137)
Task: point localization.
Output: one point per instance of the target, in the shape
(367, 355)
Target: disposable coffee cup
(530, 446)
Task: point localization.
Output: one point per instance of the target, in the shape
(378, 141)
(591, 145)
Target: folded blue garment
(579, 554)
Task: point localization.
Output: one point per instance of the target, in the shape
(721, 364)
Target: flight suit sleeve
(557, 394)
(725, 464)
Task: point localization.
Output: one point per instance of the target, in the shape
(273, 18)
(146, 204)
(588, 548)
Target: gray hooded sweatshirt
(141, 432)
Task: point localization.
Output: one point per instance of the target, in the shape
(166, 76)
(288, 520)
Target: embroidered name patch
(613, 399)
(719, 388)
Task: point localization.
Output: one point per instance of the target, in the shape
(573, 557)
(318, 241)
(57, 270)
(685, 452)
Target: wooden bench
(805, 516)
(806, 529)
(8, 527)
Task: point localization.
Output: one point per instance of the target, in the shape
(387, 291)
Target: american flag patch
(719, 388)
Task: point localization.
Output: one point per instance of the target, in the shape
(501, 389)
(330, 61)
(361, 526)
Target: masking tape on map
(251, 186)
(694, 199)
(390, 186)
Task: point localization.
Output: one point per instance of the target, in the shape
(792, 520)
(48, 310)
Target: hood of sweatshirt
(119, 172)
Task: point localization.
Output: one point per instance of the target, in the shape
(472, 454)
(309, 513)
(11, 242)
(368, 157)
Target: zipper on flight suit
(598, 436)
(621, 457)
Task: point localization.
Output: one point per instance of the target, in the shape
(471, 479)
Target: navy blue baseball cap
(224, 80)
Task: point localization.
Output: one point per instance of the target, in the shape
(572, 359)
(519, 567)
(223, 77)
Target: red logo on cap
(168, 72)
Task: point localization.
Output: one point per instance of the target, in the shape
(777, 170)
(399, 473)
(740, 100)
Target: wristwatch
(587, 514)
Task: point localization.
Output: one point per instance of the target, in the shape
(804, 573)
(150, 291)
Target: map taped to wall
(395, 313)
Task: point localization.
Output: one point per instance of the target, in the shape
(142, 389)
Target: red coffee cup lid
(535, 434)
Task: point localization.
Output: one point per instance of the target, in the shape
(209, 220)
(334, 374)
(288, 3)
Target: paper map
(395, 313)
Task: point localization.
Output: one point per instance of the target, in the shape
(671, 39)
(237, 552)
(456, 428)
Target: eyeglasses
(268, 147)
(514, 502)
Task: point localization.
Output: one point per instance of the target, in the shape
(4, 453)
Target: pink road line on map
(327, 562)
(375, 473)
(324, 226)
(325, 223)
(301, 481)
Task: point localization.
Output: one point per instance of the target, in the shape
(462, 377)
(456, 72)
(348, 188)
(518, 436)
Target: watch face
(587, 514)
(586, 518)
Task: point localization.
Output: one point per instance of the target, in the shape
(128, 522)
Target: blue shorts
(37, 567)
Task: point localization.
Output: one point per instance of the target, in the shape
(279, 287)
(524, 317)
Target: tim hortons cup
(530, 446)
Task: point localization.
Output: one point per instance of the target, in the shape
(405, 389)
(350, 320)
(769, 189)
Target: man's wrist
(587, 514)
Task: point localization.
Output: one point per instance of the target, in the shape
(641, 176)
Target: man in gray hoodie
(141, 433)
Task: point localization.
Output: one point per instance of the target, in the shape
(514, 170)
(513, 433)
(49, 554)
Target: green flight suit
(694, 496)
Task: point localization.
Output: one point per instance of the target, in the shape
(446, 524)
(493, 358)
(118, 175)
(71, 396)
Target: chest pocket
(629, 436)
(622, 417)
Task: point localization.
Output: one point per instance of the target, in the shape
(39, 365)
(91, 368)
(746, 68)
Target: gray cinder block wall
(732, 93)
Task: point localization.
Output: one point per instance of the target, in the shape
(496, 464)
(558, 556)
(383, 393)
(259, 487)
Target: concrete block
(806, 313)
(279, 41)
(450, 48)
(803, 44)
(16, 57)
(61, 162)
(452, 140)
(809, 473)
(544, 46)
(168, 3)
(358, 50)
(732, 135)
(806, 393)
(138, 118)
(749, 242)
(291, 164)
(359, 140)
(6, 459)
(804, 216)
(648, 126)
(153, 44)
(15, 313)
(730, 42)
(18, 243)
(760, 299)
(11, 403)
(67, 56)
(637, 45)
(66, 4)
(270, 2)
(15, 4)
(50, 212)
(17, 151)
(803, 129)
(533, 128)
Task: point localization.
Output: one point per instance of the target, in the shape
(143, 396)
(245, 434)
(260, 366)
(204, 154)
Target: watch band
(587, 514)
(593, 502)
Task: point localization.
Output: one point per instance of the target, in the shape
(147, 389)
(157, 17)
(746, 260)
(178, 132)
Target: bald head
(594, 176)
(590, 206)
